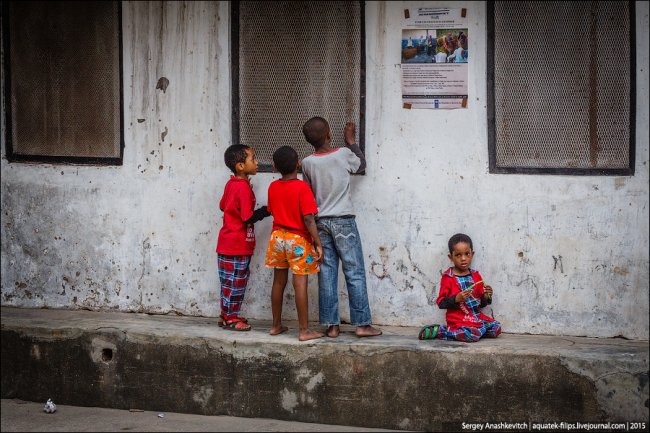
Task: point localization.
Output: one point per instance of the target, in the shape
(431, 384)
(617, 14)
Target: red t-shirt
(288, 202)
(237, 204)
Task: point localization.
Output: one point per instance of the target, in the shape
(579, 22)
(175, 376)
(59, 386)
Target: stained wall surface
(566, 255)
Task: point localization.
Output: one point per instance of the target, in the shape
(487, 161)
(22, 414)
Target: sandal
(236, 324)
(221, 321)
(428, 332)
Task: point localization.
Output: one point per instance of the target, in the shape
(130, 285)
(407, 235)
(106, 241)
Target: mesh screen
(297, 60)
(562, 84)
(65, 79)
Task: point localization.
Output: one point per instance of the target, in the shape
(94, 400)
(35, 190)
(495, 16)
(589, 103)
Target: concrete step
(189, 365)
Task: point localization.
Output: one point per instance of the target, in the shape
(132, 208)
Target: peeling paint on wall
(289, 400)
(162, 84)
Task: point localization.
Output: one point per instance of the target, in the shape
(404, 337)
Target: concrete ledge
(189, 365)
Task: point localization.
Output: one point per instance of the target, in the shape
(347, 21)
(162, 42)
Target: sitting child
(462, 293)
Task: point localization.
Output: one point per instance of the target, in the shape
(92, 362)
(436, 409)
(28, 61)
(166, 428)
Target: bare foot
(308, 334)
(333, 331)
(367, 331)
(278, 330)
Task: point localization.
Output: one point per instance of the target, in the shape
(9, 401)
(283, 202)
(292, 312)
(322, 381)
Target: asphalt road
(18, 415)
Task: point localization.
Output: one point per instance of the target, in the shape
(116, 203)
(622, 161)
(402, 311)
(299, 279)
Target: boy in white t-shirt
(327, 171)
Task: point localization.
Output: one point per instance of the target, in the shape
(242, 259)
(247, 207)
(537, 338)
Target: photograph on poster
(453, 43)
(418, 46)
(435, 46)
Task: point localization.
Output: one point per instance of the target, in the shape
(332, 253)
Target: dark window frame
(234, 72)
(491, 113)
(10, 155)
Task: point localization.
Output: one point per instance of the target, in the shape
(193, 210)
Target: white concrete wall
(141, 237)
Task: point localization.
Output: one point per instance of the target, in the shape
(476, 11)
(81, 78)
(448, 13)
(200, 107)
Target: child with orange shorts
(294, 242)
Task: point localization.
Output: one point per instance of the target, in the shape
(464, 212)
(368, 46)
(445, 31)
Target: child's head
(240, 157)
(285, 160)
(317, 131)
(461, 251)
(458, 238)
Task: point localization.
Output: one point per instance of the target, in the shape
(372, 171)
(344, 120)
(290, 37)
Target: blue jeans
(341, 241)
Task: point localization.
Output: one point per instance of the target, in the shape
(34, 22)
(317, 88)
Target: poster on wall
(435, 58)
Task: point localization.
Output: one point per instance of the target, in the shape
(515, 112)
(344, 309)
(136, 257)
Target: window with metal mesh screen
(293, 60)
(561, 87)
(63, 81)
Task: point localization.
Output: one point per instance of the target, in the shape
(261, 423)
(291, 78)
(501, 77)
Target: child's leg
(492, 329)
(348, 243)
(302, 307)
(445, 334)
(328, 278)
(280, 277)
(233, 275)
(466, 334)
(239, 284)
(224, 280)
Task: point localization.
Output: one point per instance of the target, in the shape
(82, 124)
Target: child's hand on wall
(488, 291)
(348, 133)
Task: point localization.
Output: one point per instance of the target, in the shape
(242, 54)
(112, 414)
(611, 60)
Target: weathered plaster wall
(566, 255)
(431, 169)
(139, 237)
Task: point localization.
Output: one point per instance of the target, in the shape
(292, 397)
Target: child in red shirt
(294, 241)
(462, 293)
(236, 240)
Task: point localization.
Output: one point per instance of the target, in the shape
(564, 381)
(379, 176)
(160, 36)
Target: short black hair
(458, 238)
(234, 155)
(315, 130)
(285, 160)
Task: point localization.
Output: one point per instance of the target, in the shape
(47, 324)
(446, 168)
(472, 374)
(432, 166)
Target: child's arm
(453, 301)
(258, 215)
(447, 303)
(310, 223)
(486, 298)
(348, 134)
(446, 299)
